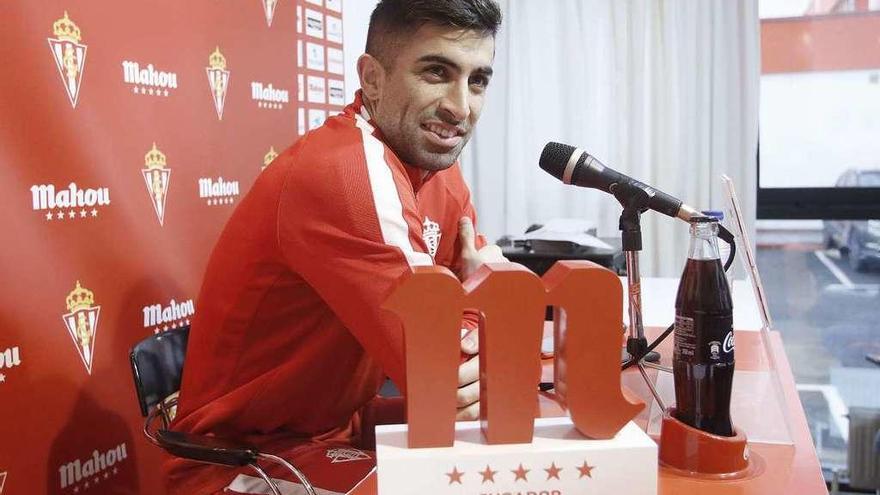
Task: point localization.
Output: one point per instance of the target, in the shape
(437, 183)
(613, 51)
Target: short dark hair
(393, 20)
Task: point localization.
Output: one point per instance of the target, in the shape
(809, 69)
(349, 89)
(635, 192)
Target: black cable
(650, 348)
(726, 236)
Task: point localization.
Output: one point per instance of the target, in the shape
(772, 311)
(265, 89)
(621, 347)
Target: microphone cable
(726, 236)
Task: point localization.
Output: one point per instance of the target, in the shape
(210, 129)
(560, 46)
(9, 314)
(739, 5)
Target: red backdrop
(128, 133)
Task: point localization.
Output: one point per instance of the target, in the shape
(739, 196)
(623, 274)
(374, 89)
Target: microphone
(577, 167)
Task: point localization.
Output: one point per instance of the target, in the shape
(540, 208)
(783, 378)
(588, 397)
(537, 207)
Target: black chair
(157, 366)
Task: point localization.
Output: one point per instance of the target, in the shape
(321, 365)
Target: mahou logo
(269, 9)
(267, 96)
(269, 157)
(218, 191)
(157, 176)
(73, 202)
(161, 318)
(147, 79)
(69, 54)
(82, 323)
(9, 358)
(92, 469)
(218, 79)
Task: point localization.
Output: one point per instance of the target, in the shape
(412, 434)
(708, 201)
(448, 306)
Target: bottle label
(704, 339)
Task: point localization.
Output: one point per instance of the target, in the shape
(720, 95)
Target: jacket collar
(358, 111)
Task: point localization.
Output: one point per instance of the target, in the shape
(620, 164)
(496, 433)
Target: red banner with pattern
(129, 131)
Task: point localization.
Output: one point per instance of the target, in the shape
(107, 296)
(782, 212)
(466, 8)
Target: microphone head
(555, 157)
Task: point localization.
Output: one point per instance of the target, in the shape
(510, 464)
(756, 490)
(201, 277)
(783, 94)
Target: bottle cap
(703, 219)
(714, 213)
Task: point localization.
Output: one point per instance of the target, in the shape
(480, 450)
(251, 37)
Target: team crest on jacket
(346, 455)
(269, 8)
(157, 177)
(70, 55)
(218, 79)
(82, 323)
(431, 234)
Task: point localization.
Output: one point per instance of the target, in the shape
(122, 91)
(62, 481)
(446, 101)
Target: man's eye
(436, 71)
(480, 81)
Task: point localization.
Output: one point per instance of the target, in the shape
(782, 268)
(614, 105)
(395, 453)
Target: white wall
(816, 125)
(355, 20)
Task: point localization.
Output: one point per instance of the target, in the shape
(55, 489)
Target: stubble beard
(409, 146)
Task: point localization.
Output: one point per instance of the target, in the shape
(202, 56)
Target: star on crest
(488, 474)
(586, 470)
(521, 473)
(455, 476)
(553, 471)
(2, 378)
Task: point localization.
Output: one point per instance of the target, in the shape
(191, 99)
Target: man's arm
(349, 247)
(471, 251)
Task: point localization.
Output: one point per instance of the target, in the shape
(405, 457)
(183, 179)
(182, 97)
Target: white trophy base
(559, 461)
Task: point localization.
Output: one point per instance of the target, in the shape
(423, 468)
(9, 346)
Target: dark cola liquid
(703, 354)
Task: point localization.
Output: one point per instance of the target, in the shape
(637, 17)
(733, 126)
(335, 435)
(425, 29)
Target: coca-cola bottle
(702, 359)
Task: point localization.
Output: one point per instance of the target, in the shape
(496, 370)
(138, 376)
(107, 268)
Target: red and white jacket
(289, 340)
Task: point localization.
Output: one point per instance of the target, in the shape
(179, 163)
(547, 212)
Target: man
(289, 346)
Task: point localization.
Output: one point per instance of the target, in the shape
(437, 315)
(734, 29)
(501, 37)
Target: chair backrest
(157, 366)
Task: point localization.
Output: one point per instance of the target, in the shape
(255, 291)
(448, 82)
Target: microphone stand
(635, 201)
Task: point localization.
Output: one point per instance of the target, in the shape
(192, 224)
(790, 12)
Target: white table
(658, 303)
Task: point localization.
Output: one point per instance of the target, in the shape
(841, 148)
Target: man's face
(432, 94)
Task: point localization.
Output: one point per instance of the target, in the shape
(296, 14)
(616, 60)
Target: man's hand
(468, 397)
(469, 371)
(471, 257)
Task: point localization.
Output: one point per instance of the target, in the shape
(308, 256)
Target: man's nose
(455, 105)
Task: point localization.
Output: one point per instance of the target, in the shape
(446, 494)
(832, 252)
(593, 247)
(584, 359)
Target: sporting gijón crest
(218, 79)
(269, 9)
(157, 176)
(70, 55)
(81, 321)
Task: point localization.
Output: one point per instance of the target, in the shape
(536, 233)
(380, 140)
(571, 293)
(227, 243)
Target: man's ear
(372, 76)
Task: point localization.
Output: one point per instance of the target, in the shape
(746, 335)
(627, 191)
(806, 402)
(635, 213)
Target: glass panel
(822, 280)
(819, 122)
(820, 92)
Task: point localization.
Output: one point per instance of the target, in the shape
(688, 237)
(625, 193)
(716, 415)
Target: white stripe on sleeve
(389, 210)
